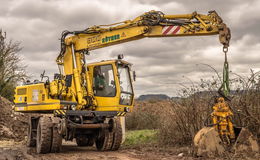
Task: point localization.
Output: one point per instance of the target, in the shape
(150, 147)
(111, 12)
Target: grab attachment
(222, 114)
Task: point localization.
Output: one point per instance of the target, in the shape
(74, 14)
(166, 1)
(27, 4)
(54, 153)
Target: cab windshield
(104, 82)
(126, 94)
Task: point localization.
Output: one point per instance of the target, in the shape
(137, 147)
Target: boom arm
(150, 24)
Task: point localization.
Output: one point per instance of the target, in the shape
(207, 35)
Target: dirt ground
(13, 125)
(11, 150)
(13, 131)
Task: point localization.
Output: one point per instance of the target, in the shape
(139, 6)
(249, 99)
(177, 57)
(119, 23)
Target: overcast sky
(160, 63)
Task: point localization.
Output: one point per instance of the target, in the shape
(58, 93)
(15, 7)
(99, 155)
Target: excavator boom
(150, 24)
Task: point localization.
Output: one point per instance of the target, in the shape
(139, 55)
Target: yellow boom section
(150, 24)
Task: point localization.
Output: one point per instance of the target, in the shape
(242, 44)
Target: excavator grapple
(223, 136)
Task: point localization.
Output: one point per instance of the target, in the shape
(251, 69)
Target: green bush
(179, 120)
(140, 137)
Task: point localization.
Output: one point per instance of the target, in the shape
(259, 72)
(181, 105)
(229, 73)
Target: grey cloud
(245, 11)
(33, 10)
(160, 63)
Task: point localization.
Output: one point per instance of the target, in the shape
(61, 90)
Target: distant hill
(197, 94)
(153, 97)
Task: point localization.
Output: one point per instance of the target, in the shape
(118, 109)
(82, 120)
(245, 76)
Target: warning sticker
(35, 95)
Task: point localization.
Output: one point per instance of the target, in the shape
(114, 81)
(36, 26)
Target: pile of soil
(13, 125)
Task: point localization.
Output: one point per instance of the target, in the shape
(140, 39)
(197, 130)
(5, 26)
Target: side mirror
(134, 75)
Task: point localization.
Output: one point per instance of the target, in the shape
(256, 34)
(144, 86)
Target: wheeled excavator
(88, 101)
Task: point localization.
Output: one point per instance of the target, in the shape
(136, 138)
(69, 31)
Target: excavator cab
(112, 85)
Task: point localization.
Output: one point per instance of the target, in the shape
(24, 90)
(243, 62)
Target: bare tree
(11, 68)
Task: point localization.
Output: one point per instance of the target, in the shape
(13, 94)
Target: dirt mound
(13, 125)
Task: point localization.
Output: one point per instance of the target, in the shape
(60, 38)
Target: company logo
(110, 38)
(94, 39)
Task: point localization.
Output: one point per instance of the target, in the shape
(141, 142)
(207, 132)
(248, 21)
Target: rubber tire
(105, 142)
(111, 141)
(31, 142)
(44, 135)
(85, 141)
(56, 140)
(117, 135)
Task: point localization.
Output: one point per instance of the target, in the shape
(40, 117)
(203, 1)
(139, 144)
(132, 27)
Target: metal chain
(224, 89)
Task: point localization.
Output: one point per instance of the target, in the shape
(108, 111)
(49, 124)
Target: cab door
(105, 86)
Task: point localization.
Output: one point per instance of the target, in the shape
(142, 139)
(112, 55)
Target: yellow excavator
(88, 101)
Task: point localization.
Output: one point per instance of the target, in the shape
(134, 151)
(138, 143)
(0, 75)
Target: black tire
(44, 135)
(85, 140)
(117, 135)
(111, 139)
(56, 140)
(31, 136)
(104, 143)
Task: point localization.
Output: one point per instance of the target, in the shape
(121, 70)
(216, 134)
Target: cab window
(126, 95)
(103, 81)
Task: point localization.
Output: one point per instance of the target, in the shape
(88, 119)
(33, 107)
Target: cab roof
(103, 62)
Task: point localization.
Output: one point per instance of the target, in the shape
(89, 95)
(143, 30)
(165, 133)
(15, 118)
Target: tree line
(12, 68)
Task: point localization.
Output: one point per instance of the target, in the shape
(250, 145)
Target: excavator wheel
(31, 136)
(117, 135)
(104, 142)
(111, 139)
(85, 140)
(44, 135)
(56, 139)
(208, 143)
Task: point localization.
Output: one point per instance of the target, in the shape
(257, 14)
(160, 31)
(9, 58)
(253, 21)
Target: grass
(140, 137)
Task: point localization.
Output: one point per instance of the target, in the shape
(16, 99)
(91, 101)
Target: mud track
(12, 150)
